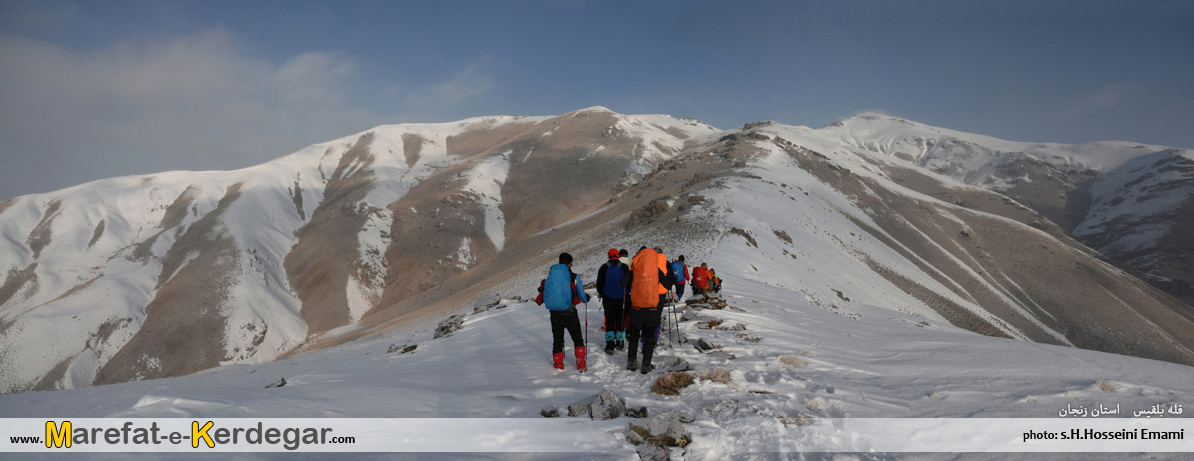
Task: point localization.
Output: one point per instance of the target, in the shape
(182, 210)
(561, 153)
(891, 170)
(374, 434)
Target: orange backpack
(644, 289)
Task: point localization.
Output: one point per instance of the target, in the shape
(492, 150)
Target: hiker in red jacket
(700, 281)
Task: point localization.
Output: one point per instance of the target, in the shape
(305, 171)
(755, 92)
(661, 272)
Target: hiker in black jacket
(612, 285)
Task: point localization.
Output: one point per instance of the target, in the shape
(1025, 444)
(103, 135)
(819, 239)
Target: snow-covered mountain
(1130, 201)
(164, 275)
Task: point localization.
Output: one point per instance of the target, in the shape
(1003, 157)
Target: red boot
(558, 360)
(580, 359)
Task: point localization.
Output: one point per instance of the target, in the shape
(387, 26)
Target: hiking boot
(557, 360)
(647, 367)
(581, 365)
(620, 345)
(609, 348)
(632, 365)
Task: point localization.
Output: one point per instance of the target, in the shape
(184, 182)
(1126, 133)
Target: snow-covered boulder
(607, 406)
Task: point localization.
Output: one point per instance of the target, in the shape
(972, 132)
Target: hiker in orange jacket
(646, 295)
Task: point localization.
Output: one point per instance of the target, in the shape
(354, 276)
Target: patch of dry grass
(717, 375)
(793, 361)
(671, 383)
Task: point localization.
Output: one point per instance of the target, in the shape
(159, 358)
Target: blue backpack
(613, 288)
(557, 289)
(678, 268)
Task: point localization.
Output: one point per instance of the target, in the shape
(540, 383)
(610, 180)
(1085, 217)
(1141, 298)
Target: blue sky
(97, 89)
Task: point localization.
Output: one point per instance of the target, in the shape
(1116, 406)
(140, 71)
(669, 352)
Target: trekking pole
(586, 324)
(675, 320)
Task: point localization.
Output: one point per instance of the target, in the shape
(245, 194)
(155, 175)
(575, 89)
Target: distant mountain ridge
(1130, 201)
(162, 275)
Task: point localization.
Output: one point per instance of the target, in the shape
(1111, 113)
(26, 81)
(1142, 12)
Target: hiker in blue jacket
(681, 270)
(612, 283)
(560, 292)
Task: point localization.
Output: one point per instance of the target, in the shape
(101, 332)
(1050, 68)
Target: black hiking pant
(565, 320)
(679, 291)
(643, 324)
(615, 318)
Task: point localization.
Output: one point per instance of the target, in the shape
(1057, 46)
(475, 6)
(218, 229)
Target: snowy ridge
(1130, 190)
(110, 280)
(98, 254)
(968, 156)
(1119, 198)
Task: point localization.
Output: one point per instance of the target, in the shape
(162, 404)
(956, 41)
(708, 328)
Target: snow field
(808, 362)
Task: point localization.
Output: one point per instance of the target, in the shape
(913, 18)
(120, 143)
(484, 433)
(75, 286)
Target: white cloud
(191, 102)
(149, 106)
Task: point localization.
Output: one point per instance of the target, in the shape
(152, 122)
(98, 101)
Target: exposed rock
(648, 452)
(705, 346)
(279, 383)
(640, 412)
(607, 406)
(649, 213)
(449, 326)
(666, 429)
(487, 302)
(723, 355)
(748, 337)
(550, 411)
(682, 366)
(734, 327)
(708, 324)
(582, 406)
(782, 235)
(750, 239)
(402, 349)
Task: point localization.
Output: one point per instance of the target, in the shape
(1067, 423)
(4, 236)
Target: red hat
(613, 253)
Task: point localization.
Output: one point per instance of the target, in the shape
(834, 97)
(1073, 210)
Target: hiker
(612, 280)
(714, 281)
(681, 271)
(560, 292)
(646, 295)
(700, 281)
(624, 257)
(668, 281)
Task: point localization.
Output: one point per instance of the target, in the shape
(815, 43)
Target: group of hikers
(633, 293)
